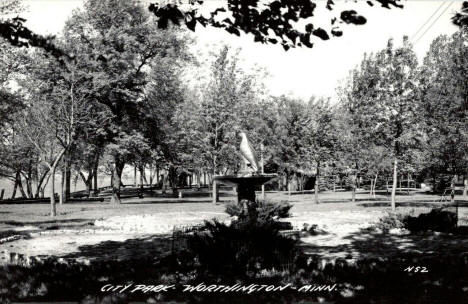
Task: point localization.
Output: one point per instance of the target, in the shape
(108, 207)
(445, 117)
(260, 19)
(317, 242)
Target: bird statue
(248, 154)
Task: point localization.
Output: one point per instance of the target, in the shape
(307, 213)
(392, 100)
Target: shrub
(436, 220)
(233, 209)
(392, 221)
(241, 249)
(269, 209)
(264, 210)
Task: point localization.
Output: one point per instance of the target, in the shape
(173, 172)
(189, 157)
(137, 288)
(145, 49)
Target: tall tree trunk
(53, 210)
(465, 188)
(395, 175)
(53, 167)
(116, 180)
(95, 175)
(67, 179)
(371, 186)
(375, 183)
(142, 177)
(145, 180)
(17, 176)
(452, 189)
(151, 174)
(172, 174)
(164, 183)
(353, 188)
(65, 195)
(157, 174)
(40, 181)
(20, 186)
(316, 186)
(87, 181)
(28, 179)
(112, 178)
(408, 184)
(62, 188)
(134, 175)
(386, 184)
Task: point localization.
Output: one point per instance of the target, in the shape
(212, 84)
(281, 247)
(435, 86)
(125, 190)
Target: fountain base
(246, 184)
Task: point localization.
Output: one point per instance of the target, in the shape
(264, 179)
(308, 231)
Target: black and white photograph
(233, 151)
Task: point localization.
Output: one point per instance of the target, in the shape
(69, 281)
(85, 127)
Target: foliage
(436, 220)
(461, 18)
(369, 280)
(393, 220)
(267, 22)
(382, 102)
(266, 211)
(208, 122)
(118, 45)
(444, 107)
(246, 248)
(291, 120)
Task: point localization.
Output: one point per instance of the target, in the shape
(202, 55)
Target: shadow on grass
(369, 242)
(138, 248)
(415, 203)
(37, 226)
(16, 223)
(372, 267)
(376, 276)
(9, 233)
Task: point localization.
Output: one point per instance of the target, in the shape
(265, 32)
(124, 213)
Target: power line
(446, 8)
(428, 19)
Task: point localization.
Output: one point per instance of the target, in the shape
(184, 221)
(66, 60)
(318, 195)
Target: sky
(301, 72)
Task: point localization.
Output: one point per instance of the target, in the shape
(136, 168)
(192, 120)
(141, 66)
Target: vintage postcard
(233, 151)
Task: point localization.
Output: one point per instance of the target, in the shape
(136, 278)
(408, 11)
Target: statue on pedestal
(249, 164)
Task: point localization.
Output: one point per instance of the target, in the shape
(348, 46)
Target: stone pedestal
(246, 185)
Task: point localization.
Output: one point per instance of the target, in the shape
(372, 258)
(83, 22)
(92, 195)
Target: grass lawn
(344, 225)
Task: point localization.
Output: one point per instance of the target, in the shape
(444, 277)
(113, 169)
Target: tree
(219, 113)
(58, 106)
(289, 129)
(320, 140)
(444, 107)
(117, 41)
(165, 94)
(384, 99)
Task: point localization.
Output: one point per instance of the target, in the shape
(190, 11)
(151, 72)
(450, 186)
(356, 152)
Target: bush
(233, 209)
(436, 220)
(251, 244)
(242, 249)
(264, 210)
(392, 221)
